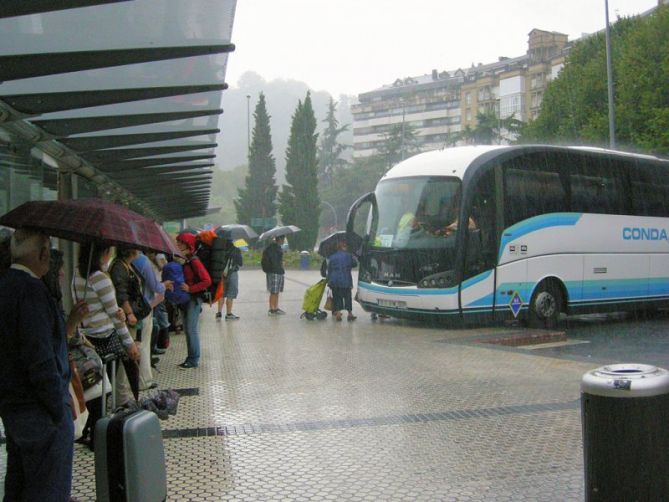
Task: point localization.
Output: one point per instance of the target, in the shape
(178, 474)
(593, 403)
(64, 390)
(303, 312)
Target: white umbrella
(278, 231)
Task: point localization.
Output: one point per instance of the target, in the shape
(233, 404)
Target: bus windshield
(417, 213)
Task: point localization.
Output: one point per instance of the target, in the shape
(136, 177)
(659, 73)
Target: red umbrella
(91, 220)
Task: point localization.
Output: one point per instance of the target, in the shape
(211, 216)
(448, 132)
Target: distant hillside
(282, 97)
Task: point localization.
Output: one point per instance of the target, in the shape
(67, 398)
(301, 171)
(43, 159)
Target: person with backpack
(197, 281)
(230, 279)
(272, 265)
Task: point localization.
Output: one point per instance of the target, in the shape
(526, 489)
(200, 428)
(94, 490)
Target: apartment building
(440, 104)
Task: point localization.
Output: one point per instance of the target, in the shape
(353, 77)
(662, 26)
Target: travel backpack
(210, 250)
(265, 262)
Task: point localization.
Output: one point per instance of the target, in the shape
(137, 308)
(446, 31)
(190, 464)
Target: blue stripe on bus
(621, 290)
(537, 223)
(579, 292)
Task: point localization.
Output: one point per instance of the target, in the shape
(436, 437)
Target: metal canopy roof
(51, 63)
(13, 8)
(86, 143)
(103, 156)
(131, 165)
(36, 104)
(79, 125)
(150, 71)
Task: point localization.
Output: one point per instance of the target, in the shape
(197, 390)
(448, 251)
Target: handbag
(77, 400)
(109, 344)
(329, 302)
(86, 360)
(140, 307)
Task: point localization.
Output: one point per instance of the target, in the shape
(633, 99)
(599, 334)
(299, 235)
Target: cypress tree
(330, 149)
(258, 197)
(299, 203)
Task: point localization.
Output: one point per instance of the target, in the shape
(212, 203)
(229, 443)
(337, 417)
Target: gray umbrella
(278, 231)
(235, 231)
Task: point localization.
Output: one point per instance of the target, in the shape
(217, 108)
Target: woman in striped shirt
(104, 317)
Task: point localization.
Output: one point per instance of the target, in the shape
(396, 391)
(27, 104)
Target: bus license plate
(396, 304)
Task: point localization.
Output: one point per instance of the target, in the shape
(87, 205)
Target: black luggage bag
(129, 455)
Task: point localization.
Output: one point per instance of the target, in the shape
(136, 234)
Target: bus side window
(597, 186)
(532, 186)
(649, 192)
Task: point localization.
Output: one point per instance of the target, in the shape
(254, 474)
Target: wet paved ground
(289, 409)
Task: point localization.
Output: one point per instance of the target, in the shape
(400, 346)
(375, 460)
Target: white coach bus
(546, 230)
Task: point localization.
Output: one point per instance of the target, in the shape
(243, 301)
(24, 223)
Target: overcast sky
(353, 46)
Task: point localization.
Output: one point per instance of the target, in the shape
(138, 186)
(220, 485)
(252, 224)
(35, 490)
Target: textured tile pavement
(288, 409)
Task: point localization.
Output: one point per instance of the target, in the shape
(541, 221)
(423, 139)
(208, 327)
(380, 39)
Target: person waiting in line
(272, 265)
(160, 335)
(34, 376)
(104, 324)
(154, 294)
(340, 281)
(128, 284)
(230, 279)
(197, 281)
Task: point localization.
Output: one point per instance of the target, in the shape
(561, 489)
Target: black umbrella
(329, 244)
(234, 231)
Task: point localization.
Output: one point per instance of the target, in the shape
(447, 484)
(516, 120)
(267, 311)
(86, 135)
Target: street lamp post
(402, 138)
(334, 212)
(248, 122)
(609, 78)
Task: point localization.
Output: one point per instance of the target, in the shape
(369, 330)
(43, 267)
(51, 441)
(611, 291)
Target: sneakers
(275, 312)
(231, 317)
(218, 316)
(186, 365)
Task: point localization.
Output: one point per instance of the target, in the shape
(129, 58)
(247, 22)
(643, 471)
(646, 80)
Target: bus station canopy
(123, 93)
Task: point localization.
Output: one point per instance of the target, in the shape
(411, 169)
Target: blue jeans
(160, 316)
(192, 329)
(39, 455)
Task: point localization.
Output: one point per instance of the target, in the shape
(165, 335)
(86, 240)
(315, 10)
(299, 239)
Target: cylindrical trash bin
(304, 260)
(625, 415)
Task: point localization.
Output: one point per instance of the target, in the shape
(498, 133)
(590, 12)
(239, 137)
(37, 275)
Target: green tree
(352, 183)
(399, 142)
(258, 197)
(330, 150)
(489, 130)
(575, 105)
(299, 203)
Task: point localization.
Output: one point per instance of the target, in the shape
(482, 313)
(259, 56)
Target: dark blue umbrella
(329, 244)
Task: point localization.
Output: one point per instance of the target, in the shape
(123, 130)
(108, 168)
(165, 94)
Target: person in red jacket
(197, 280)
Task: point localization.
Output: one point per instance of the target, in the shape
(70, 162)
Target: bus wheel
(545, 306)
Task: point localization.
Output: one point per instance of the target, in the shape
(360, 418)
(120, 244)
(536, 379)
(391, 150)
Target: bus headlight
(441, 280)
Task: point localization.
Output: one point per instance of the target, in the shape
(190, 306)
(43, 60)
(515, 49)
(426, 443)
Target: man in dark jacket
(34, 377)
(272, 265)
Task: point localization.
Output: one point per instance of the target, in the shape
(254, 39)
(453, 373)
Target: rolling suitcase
(312, 301)
(129, 455)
